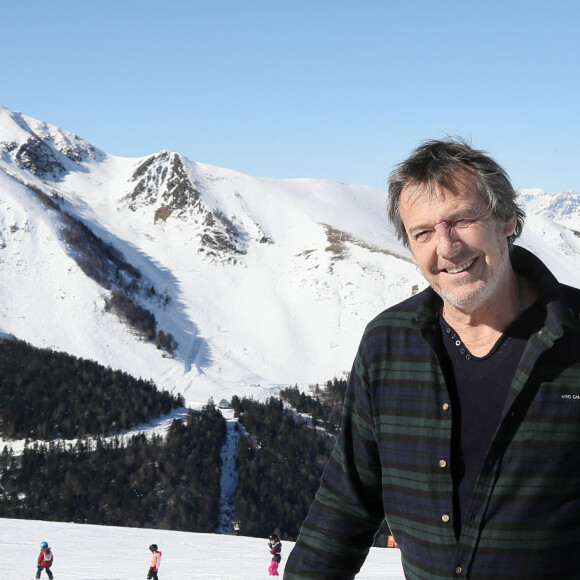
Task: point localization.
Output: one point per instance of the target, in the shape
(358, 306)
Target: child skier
(276, 550)
(45, 560)
(155, 562)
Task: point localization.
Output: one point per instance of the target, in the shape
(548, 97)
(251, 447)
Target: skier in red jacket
(45, 560)
(155, 562)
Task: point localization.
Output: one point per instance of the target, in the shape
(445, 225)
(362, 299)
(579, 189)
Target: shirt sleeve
(347, 510)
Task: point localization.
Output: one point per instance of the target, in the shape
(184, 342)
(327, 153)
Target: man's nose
(448, 242)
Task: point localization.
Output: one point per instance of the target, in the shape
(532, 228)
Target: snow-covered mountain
(253, 283)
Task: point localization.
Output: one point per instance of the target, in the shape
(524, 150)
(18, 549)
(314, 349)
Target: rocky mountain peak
(163, 183)
(44, 150)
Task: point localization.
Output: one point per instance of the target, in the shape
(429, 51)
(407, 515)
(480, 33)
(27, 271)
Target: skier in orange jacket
(155, 562)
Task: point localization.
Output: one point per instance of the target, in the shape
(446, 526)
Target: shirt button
(442, 463)
(446, 406)
(459, 570)
(445, 518)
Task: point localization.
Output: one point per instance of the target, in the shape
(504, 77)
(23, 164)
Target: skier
(155, 562)
(45, 560)
(276, 550)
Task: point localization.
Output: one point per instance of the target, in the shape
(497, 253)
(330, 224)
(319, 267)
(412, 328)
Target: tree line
(47, 395)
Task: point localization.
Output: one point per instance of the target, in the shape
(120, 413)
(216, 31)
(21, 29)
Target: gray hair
(434, 163)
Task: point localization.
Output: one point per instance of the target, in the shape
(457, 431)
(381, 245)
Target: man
(461, 422)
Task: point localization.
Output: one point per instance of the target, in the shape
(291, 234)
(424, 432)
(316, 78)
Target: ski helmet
(153, 547)
(273, 537)
(44, 545)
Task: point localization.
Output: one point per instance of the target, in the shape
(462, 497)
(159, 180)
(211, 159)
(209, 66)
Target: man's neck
(479, 330)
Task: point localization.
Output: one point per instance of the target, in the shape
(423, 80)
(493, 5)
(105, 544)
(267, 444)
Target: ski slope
(88, 552)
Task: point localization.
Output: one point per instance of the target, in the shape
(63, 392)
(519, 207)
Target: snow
(288, 312)
(89, 552)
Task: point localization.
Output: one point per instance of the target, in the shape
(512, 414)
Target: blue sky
(338, 90)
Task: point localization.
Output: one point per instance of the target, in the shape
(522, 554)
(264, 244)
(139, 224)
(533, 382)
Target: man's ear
(510, 225)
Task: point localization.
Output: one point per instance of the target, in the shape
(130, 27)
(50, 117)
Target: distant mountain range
(207, 281)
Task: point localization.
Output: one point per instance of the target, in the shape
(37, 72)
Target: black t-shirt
(478, 387)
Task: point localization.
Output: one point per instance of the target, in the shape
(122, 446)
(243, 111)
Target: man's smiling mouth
(460, 268)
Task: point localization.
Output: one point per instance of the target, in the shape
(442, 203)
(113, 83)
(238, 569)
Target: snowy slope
(88, 552)
(261, 282)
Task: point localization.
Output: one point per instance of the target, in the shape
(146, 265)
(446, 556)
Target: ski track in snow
(229, 475)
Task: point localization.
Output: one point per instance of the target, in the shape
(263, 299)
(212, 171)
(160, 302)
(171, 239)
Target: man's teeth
(460, 268)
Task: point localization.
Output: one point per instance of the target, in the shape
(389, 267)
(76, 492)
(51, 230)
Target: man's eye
(423, 236)
(463, 223)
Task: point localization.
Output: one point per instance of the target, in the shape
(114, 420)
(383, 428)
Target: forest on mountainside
(167, 483)
(279, 463)
(108, 267)
(48, 395)
(170, 482)
(173, 482)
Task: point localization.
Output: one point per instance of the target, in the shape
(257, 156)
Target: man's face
(459, 246)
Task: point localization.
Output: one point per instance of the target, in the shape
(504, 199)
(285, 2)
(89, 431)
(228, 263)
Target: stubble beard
(482, 290)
